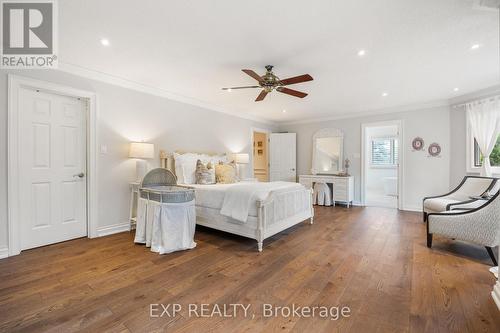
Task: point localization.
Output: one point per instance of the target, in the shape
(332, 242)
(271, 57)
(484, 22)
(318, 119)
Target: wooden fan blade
(297, 79)
(252, 74)
(291, 92)
(231, 88)
(261, 96)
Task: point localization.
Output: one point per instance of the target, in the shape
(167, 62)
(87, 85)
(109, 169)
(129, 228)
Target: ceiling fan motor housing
(269, 82)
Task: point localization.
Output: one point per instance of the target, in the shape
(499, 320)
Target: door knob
(79, 175)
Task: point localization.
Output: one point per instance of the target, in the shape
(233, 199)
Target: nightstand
(134, 197)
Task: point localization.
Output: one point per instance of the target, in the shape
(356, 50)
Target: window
(384, 152)
(494, 156)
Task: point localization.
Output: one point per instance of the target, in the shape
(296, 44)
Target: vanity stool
(322, 195)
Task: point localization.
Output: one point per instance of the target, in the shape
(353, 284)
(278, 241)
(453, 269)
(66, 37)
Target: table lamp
(241, 159)
(141, 151)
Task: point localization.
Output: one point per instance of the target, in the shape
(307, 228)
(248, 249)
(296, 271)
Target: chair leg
(492, 255)
(429, 240)
(429, 236)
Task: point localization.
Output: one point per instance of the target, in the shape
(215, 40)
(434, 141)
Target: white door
(52, 180)
(283, 157)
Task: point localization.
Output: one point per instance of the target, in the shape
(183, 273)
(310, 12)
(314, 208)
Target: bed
(273, 207)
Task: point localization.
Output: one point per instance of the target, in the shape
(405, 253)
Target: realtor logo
(28, 34)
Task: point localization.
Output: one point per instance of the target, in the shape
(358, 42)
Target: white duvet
(239, 200)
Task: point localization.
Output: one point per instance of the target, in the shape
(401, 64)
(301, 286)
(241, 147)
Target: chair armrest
(447, 194)
(451, 206)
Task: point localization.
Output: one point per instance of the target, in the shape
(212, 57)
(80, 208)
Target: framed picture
(259, 143)
(260, 152)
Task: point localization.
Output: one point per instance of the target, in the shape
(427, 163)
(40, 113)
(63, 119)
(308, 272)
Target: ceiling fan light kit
(269, 82)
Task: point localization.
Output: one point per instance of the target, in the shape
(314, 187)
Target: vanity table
(327, 164)
(343, 187)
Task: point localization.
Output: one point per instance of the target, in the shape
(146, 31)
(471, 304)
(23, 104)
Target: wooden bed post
(312, 207)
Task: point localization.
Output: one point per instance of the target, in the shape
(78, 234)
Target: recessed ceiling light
(384, 94)
(229, 89)
(361, 53)
(456, 89)
(105, 41)
(284, 111)
(475, 46)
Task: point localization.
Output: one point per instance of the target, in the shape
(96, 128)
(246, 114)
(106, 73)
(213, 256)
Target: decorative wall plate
(434, 149)
(418, 143)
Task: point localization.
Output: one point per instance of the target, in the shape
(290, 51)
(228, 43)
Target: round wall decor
(434, 149)
(417, 143)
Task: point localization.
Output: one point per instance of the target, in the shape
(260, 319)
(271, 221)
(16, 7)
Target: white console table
(343, 187)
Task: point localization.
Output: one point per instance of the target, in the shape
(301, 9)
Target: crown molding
(478, 94)
(375, 112)
(490, 5)
(133, 85)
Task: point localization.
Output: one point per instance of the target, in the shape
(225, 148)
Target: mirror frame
(328, 133)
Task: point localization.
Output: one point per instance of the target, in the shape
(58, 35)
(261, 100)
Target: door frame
(260, 130)
(400, 124)
(15, 84)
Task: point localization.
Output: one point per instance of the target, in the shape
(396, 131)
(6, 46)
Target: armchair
(480, 225)
(470, 186)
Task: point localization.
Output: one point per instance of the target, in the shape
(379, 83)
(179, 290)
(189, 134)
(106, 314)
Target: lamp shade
(141, 150)
(241, 158)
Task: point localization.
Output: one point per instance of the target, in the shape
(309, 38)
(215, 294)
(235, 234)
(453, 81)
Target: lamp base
(141, 168)
(241, 171)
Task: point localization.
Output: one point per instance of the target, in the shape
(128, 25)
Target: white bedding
(238, 206)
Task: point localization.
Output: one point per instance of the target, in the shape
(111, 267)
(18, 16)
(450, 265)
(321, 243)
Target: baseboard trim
(113, 229)
(412, 209)
(4, 252)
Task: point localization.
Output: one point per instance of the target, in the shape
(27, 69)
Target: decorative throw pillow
(205, 174)
(185, 165)
(225, 173)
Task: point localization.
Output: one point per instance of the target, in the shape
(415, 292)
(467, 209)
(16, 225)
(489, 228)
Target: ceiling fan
(269, 82)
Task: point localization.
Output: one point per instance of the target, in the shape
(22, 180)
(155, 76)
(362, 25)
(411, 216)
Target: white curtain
(484, 120)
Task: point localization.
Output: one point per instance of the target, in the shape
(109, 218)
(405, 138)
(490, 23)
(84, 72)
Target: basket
(161, 185)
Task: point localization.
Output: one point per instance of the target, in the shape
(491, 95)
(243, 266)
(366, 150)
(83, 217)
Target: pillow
(185, 165)
(216, 159)
(225, 173)
(205, 174)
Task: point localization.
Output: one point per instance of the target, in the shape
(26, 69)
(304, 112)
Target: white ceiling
(417, 51)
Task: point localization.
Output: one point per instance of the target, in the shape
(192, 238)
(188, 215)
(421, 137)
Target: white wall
(458, 138)
(423, 175)
(126, 115)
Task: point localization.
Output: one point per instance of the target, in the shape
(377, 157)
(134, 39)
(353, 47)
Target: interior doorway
(381, 164)
(260, 156)
(52, 162)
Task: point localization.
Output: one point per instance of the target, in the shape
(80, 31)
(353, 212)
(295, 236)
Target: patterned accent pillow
(205, 174)
(226, 173)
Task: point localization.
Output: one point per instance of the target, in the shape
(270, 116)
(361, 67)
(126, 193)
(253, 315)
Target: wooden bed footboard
(281, 210)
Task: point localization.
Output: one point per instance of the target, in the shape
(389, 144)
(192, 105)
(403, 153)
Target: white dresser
(343, 187)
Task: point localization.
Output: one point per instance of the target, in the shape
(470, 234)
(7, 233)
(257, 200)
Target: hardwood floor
(372, 260)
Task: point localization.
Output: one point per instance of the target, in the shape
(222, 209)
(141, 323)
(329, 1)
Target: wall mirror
(328, 152)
